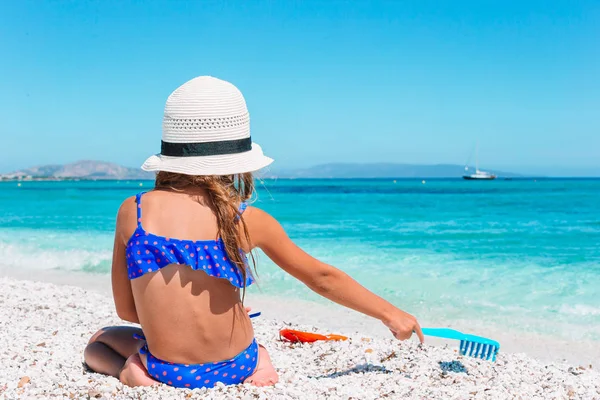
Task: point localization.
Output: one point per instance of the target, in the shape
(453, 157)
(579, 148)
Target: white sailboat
(478, 175)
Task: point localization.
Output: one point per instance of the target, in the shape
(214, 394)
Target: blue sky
(325, 81)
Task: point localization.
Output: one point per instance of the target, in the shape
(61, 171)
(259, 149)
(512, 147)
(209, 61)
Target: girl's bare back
(188, 316)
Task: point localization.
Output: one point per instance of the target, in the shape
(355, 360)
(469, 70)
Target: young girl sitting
(179, 261)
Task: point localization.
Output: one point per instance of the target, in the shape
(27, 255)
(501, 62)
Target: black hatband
(206, 148)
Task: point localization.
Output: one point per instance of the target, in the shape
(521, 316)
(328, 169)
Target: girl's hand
(402, 325)
(248, 309)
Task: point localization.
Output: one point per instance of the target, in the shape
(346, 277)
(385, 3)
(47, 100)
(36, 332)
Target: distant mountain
(85, 170)
(381, 170)
(104, 170)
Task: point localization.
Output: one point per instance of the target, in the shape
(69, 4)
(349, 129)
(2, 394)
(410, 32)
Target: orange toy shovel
(306, 337)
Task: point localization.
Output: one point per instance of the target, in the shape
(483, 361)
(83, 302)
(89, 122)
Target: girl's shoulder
(127, 207)
(262, 225)
(132, 205)
(127, 216)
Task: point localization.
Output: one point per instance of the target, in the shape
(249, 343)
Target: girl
(179, 265)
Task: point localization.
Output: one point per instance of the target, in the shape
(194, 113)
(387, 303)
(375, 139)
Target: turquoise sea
(521, 254)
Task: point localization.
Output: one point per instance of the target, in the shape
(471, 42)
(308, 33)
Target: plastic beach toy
(470, 345)
(306, 337)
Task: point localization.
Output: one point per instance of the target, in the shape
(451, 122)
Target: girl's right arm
(268, 235)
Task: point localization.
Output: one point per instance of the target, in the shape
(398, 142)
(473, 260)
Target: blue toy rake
(470, 345)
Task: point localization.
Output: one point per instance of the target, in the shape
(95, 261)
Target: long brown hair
(226, 193)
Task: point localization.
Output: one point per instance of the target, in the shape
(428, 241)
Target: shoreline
(46, 326)
(337, 319)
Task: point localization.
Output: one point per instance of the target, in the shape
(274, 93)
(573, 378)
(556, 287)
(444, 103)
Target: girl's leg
(110, 347)
(114, 351)
(265, 374)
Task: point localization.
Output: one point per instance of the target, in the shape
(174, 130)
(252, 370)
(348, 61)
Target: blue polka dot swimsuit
(229, 372)
(147, 253)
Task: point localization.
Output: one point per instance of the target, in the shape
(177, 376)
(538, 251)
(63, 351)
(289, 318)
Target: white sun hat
(206, 131)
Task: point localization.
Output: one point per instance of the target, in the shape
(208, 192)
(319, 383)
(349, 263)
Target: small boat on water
(478, 175)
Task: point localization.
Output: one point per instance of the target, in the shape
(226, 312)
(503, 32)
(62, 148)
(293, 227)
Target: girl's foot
(134, 373)
(265, 374)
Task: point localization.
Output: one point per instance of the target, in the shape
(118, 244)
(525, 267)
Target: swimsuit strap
(241, 209)
(144, 348)
(138, 201)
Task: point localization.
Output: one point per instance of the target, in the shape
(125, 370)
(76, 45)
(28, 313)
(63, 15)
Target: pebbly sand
(46, 326)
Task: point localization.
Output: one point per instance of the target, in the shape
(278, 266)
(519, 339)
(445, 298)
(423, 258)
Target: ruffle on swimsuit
(148, 253)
